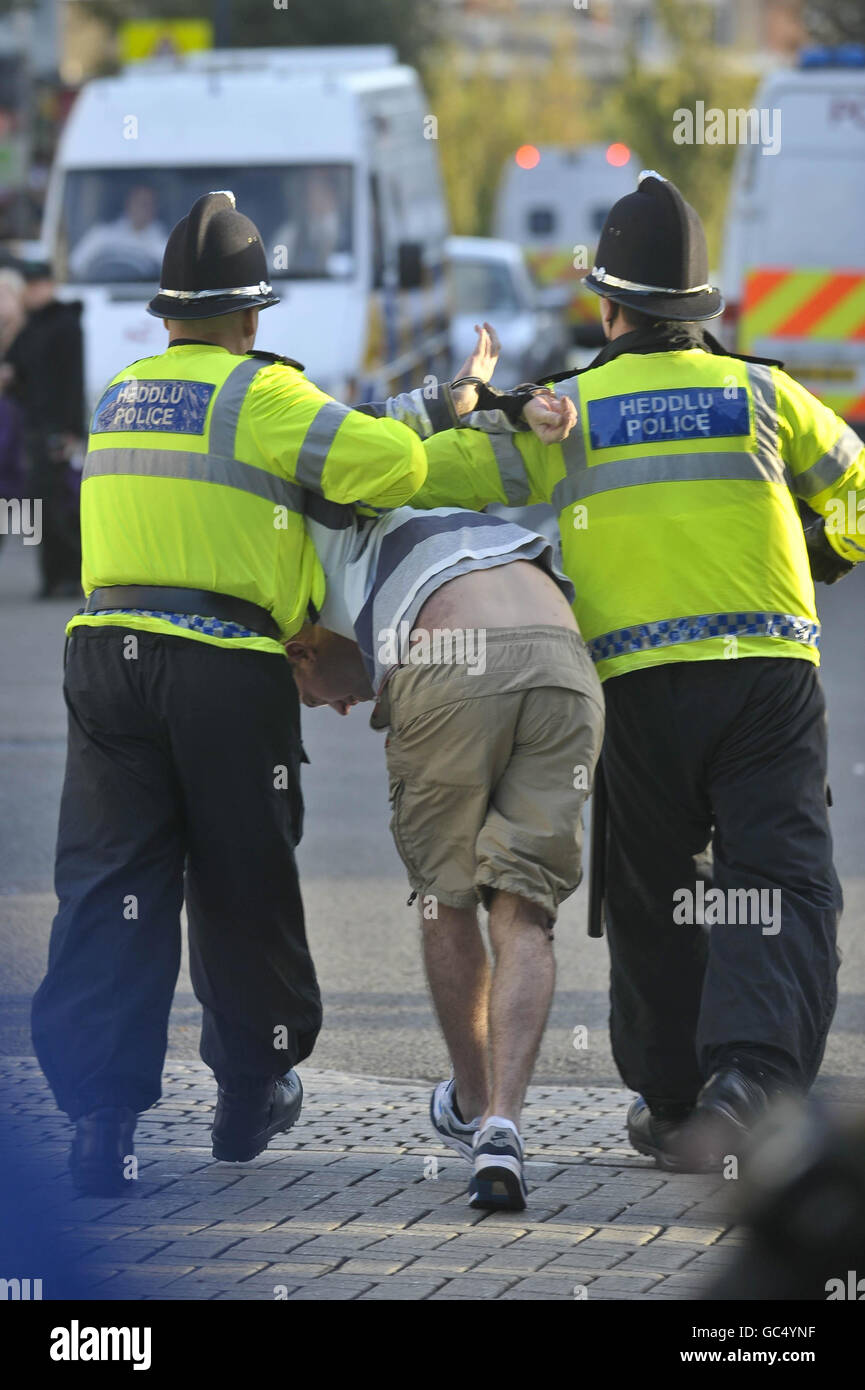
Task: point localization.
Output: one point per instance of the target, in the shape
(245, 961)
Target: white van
(553, 202)
(793, 270)
(327, 150)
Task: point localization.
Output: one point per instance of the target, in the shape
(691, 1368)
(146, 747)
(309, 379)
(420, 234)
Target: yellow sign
(163, 38)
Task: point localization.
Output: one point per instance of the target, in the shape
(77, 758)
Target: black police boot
(100, 1152)
(249, 1112)
(728, 1107)
(659, 1131)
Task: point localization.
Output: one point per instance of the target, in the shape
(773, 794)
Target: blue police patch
(172, 407)
(663, 417)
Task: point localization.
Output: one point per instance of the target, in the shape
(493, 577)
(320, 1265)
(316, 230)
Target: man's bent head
(328, 669)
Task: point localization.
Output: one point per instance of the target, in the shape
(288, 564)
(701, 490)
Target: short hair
(638, 320)
(210, 327)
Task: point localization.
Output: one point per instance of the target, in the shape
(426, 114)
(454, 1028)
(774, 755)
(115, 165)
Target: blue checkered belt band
(219, 615)
(672, 631)
(214, 627)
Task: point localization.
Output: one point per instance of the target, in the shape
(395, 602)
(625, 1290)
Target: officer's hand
(550, 417)
(481, 362)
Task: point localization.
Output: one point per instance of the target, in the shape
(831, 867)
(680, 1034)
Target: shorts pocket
(397, 826)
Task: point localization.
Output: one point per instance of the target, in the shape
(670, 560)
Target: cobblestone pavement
(359, 1202)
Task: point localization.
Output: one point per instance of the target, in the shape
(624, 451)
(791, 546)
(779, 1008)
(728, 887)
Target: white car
(489, 279)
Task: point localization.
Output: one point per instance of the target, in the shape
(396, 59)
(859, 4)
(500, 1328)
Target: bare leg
(522, 990)
(458, 972)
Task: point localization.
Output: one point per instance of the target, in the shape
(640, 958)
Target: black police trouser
(181, 755)
(732, 751)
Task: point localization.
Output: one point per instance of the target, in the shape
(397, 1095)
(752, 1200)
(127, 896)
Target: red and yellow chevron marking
(821, 304)
(817, 305)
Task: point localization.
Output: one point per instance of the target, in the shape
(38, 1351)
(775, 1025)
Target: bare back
(516, 594)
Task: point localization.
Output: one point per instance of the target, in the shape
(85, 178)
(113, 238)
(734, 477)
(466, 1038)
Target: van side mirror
(410, 265)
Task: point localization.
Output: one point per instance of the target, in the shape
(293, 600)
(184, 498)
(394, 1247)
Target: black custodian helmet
(214, 263)
(652, 255)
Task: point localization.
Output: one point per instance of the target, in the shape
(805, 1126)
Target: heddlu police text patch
(658, 417)
(175, 407)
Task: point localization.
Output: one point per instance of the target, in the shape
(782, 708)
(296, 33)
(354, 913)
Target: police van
(793, 270)
(553, 201)
(332, 154)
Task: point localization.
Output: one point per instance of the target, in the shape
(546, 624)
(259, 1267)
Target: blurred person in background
(137, 236)
(11, 449)
(47, 380)
(314, 230)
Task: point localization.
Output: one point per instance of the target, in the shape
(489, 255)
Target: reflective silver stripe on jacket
(317, 442)
(764, 464)
(512, 469)
(831, 467)
(218, 465)
(199, 468)
(660, 468)
(764, 396)
(424, 414)
(227, 407)
(487, 422)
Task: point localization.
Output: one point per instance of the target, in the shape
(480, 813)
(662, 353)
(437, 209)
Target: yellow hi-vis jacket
(676, 498)
(195, 474)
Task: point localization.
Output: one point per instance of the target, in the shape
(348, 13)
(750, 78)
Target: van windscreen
(116, 221)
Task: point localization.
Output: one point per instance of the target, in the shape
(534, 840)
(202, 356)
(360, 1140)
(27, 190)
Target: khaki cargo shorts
(489, 768)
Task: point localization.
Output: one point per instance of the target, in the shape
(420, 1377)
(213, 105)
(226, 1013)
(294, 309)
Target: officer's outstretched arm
(469, 469)
(329, 448)
(426, 414)
(827, 461)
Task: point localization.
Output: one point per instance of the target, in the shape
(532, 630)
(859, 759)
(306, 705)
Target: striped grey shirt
(380, 571)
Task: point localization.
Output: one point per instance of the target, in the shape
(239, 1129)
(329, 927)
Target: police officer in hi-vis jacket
(677, 493)
(184, 752)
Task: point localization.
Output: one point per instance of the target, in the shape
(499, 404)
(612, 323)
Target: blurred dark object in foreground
(802, 1196)
(37, 1260)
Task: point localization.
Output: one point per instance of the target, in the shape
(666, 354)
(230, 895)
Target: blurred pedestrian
(47, 380)
(11, 448)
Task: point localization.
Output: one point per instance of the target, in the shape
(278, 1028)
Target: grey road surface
(364, 937)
